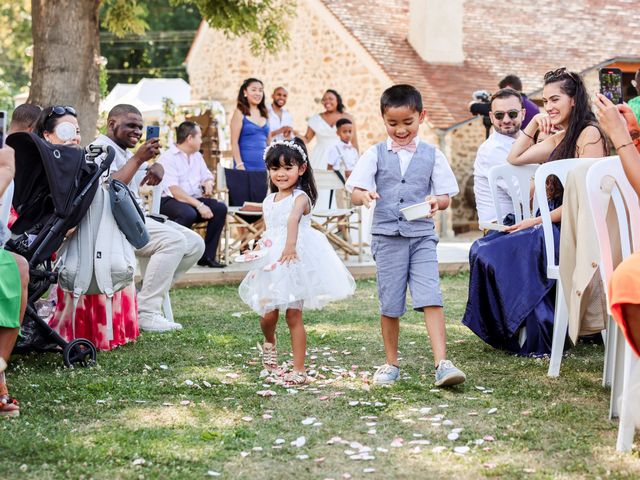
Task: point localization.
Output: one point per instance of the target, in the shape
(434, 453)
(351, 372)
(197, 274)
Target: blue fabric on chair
(245, 186)
(509, 289)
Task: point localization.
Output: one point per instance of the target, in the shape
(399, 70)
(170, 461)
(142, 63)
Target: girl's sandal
(269, 355)
(296, 378)
(9, 407)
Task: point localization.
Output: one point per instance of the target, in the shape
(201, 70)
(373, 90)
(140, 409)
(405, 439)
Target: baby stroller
(54, 187)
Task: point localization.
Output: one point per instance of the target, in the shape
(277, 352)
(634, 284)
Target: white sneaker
(154, 322)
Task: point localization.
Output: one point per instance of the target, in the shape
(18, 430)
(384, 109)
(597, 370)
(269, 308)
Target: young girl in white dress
(301, 269)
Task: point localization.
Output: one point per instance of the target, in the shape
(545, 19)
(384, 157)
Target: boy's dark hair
(343, 121)
(401, 96)
(24, 117)
(281, 152)
(512, 81)
(506, 93)
(185, 129)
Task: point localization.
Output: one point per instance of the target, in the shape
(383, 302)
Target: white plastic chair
(518, 179)
(156, 196)
(5, 204)
(607, 181)
(560, 169)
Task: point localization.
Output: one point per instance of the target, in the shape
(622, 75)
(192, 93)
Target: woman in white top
(322, 126)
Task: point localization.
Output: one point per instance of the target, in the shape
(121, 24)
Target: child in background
(343, 156)
(302, 269)
(400, 172)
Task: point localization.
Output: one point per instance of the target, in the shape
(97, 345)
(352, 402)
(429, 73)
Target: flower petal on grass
(299, 442)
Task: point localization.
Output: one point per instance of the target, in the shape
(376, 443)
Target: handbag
(128, 214)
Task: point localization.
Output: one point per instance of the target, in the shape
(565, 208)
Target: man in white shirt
(280, 120)
(507, 113)
(172, 249)
(188, 186)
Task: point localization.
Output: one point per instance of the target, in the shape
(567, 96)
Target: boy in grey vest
(397, 173)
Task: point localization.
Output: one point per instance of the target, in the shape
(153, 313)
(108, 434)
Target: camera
(481, 105)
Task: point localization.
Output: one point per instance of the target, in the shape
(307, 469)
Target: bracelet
(239, 164)
(626, 145)
(526, 134)
(200, 206)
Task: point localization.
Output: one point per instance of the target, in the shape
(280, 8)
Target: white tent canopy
(147, 95)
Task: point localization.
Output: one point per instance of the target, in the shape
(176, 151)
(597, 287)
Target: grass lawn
(185, 405)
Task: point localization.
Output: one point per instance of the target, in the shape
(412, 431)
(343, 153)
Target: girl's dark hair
(48, 119)
(243, 103)
(280, 152)
(340, 107)
(581, 117)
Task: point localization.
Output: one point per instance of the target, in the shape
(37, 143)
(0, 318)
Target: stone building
(446, 49)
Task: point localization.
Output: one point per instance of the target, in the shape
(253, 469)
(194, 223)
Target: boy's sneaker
(386, 375)
(447, 374)
(154, 322)
(3, 365)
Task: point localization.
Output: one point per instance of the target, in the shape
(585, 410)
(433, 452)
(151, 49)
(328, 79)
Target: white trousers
(171, 251)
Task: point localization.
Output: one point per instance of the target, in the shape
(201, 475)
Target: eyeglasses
(513, 114)
(62, 110)
(558, 74)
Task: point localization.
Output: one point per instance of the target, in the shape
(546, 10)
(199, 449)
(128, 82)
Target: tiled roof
(500, 37)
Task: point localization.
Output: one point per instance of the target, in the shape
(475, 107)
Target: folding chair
(518, 190)
(559, 169)
(238, 187)
(607, 182)
(330, 221)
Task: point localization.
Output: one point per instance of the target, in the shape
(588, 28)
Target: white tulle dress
(317, 278)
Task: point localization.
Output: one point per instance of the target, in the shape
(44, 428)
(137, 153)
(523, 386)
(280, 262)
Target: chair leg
(166, 307)
(560, 327)
(626, 428)
(618, 373)
(608, 336)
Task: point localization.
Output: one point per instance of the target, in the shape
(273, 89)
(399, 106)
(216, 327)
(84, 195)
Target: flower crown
(286, 143)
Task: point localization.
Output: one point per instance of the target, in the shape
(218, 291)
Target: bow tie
(410, 147)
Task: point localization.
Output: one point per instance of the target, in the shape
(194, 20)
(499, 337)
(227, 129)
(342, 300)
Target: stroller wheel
(79, 352)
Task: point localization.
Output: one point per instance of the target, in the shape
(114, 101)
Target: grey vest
(397, 192)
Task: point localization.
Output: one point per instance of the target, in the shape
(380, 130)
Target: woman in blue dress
(250, 127)
(508, 285)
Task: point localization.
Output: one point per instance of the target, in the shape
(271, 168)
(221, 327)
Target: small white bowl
(417, 211)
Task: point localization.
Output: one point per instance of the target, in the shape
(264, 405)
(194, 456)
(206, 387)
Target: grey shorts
(401, 261)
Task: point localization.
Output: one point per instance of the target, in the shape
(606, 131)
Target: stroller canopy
(48, 178)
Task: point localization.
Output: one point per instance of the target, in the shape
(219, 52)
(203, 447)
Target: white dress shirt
(493, 151)
(343, 156)
(443, 181)
(276, 122)
(188, 172)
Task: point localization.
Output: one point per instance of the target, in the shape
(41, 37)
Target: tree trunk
(66, 49)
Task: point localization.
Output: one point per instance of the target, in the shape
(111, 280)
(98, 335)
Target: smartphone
(153, 131)
(611, 84)
(3, 127)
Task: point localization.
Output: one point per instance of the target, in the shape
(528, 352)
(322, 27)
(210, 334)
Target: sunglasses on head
(62, 110)
(513, 114)
(561, 72)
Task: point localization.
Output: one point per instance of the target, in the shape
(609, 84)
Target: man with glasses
(506, 114)
(531, 109)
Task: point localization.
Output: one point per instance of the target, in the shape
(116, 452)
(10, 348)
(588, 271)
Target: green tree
(66, 41)
(15, 39)
(159, 52)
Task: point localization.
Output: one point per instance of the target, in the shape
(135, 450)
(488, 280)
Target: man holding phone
(172, 249)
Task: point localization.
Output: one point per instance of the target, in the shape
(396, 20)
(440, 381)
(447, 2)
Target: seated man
(188, 186)
(506, 114)
(172, 249)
